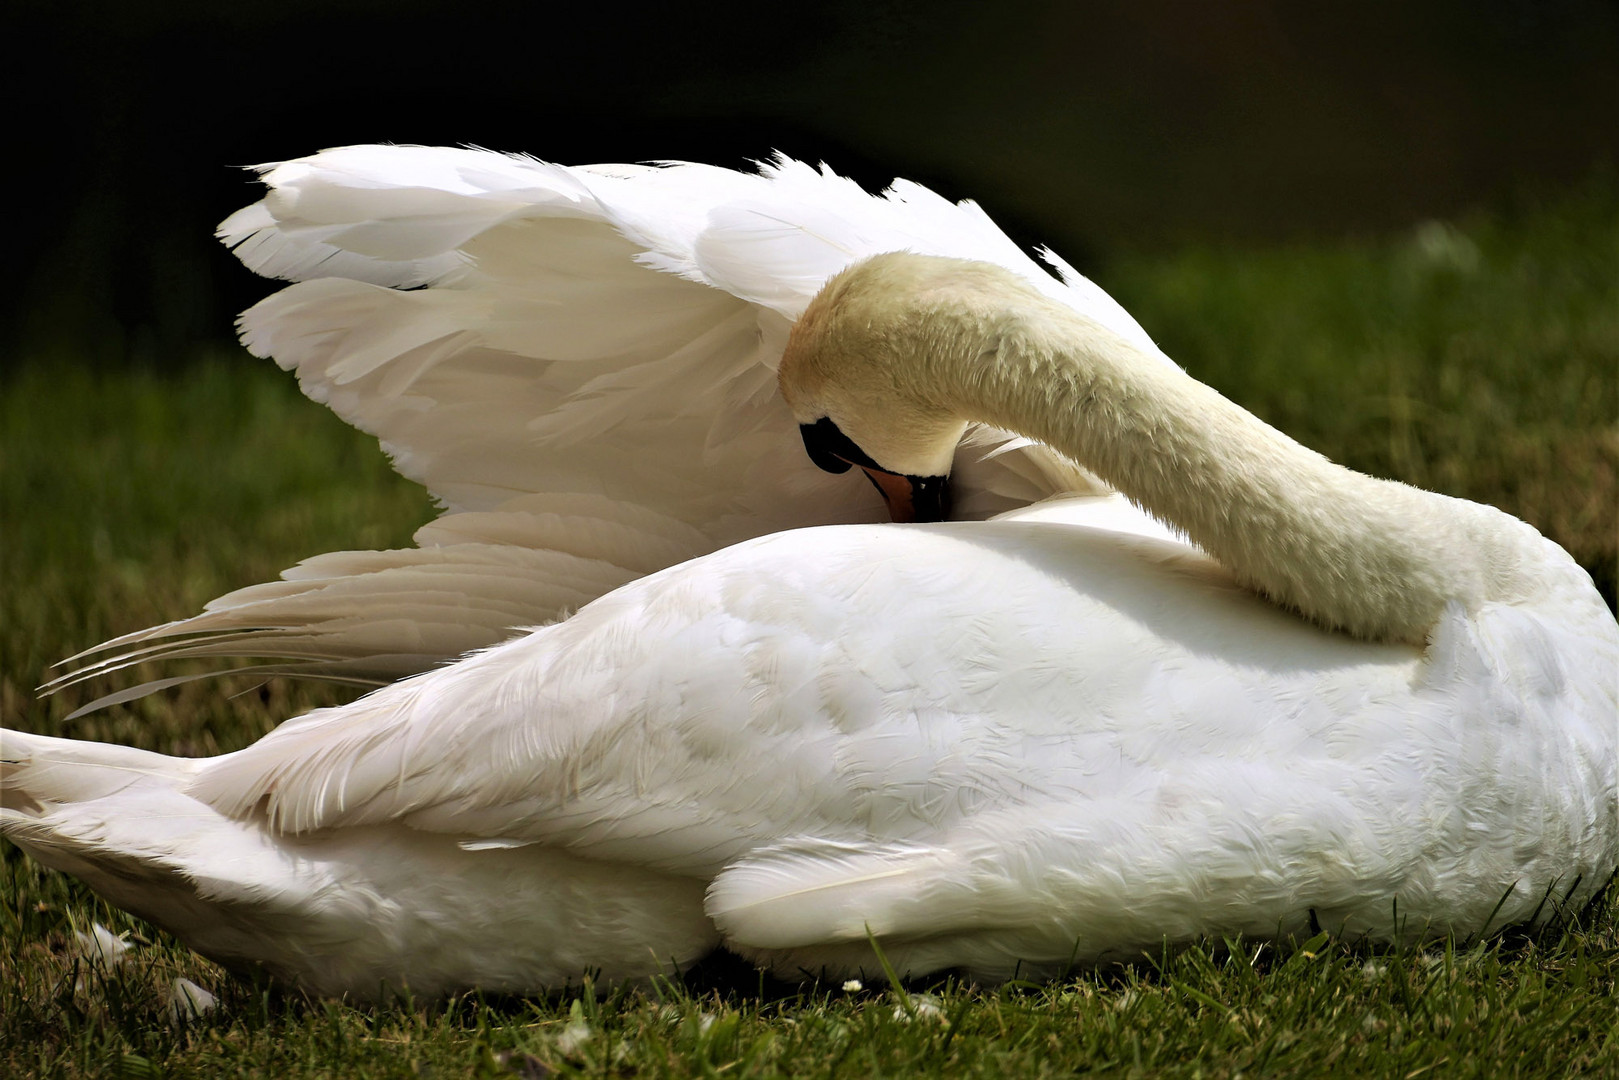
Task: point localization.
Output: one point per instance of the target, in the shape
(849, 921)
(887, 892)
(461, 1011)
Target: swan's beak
(912, 498)
(909, 498)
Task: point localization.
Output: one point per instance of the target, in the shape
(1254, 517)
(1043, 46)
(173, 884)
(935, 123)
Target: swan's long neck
(1374, 557)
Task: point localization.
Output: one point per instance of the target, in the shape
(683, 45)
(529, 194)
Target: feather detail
(809, 890)
(519, 335)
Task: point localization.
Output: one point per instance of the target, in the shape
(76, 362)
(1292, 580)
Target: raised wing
(579, 364)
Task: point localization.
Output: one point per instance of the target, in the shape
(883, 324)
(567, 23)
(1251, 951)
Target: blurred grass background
(1392, 230)
(1477, 357)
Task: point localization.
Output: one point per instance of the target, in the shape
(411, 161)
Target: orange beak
(911, 498)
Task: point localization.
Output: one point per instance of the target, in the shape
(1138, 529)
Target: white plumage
(587, 384)
(1064, 734)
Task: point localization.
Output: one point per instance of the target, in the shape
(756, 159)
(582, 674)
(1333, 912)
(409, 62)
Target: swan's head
(871, 368)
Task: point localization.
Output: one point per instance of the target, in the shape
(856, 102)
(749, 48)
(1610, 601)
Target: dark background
(1097, 127)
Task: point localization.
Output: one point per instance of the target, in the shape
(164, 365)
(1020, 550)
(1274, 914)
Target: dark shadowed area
(1099, 128)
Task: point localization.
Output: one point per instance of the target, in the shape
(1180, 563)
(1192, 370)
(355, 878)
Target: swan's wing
(779, 243)
(575, 362)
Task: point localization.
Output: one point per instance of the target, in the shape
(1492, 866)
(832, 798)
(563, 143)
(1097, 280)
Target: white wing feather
(524, 336)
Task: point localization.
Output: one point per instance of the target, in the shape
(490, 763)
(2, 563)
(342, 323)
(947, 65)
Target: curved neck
(1377, 558)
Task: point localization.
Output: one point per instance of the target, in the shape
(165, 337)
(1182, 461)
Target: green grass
(129, 499)
(1479, 358)
(1541, 1007)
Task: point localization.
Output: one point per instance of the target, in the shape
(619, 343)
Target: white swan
(579, 364)
(1005, 745)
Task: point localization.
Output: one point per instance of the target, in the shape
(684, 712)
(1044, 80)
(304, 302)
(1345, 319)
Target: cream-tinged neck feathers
(901, 351)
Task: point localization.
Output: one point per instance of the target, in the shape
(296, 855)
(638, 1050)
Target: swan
(1003, 746)
(579, 365)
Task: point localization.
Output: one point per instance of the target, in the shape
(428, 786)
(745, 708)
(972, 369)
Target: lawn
(1478, 357)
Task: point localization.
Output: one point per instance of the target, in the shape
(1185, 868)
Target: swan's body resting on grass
(999, 745)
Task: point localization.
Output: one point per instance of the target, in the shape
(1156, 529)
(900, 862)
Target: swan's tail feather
(111, 816)
(351, 911)
(38, 771)
(119, 820)
(122, 821)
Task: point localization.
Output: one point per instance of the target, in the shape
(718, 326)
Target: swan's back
(988, 743)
